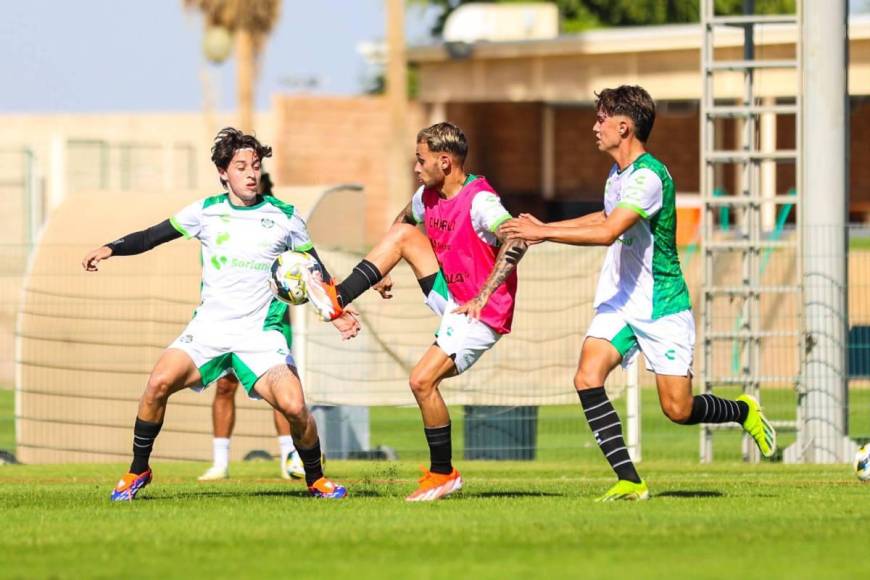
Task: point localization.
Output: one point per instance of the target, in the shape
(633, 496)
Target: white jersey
(487, 213)
(641, 275)
(239, 245)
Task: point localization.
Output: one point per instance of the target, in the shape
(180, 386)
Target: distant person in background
(642, 301)
(239, 325)
(223, 414)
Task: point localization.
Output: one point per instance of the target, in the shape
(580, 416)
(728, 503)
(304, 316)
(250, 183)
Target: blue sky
(145, 55)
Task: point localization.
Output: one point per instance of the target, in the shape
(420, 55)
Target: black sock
(708, 408)
(440, 449)
(311, 461)
(607, 429)
(144, 434)
(427, 283)
(364, 276)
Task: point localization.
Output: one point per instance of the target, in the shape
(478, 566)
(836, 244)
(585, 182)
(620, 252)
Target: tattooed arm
(509, 255)
(406, 216)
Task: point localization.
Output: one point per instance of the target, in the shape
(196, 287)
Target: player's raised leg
(280, 387)
(403, 241)
(597, 359)
(441, 479)
(223, 417)
(678, 404)
(174, 371)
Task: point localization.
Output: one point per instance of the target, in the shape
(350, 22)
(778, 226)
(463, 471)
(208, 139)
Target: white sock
(285, 442)
(221, 451)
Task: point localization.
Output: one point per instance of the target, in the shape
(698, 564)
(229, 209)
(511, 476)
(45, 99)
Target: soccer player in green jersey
(238, 326)
(642, 301)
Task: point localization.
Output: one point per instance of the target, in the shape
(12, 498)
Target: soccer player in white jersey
(642, 301)
(238, 324)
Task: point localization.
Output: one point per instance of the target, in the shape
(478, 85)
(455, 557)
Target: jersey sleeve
(643, 193)
(487, 213)
(417, 208)
(188, 221)
(298, 238)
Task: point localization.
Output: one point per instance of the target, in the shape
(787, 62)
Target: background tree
(250, 21)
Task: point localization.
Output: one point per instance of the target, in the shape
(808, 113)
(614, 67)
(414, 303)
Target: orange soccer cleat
(436, 485)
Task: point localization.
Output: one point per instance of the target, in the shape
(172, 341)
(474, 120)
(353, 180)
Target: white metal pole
(824, 112)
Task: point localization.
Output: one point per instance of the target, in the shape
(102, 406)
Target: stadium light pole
(399, 183)
(824, 181)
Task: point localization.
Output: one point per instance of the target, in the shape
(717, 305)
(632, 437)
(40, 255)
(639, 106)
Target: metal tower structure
(732, 306)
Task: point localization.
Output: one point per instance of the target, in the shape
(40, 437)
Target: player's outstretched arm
(131, 244)
(509, 255)
(589, 219)
(591, 234)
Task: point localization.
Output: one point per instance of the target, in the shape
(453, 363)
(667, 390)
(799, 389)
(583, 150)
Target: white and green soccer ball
(287, 280)
(862, 463)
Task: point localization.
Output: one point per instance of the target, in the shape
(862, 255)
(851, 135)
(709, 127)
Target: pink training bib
(466, 260)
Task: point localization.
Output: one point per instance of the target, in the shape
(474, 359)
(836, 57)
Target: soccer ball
(287, 282)
(862, 463)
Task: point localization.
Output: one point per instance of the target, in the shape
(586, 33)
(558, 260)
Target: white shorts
(248, 355)
(667, 343)
(464, 339)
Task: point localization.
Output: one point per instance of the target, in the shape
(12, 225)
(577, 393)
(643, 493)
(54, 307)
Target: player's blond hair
(445, 138)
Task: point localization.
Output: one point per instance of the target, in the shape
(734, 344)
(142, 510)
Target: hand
(526, 228)
(92, 258)
(532, 219)
(348, 324)
(472, 308)
(384, 287)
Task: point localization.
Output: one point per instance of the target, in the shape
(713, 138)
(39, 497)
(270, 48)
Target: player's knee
(401, 232)
(677, 410)
(158, 389)
(585, 379)
(226, 389)
(294, 411)
(420, 384)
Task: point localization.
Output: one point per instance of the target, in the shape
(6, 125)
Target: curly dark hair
(230, 140)
(631, 101)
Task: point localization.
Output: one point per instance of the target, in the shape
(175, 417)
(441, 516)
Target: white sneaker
(291, 466)
(214, 473)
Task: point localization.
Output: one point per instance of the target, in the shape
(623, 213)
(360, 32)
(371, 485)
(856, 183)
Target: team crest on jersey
(267, 223)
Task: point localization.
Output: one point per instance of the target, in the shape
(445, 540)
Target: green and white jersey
(239, 245)
(641, 275)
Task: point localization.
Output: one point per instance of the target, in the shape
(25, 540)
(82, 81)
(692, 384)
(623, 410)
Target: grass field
(512, 520)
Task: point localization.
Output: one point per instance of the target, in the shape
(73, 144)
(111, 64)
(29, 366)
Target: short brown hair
(445, 138)
(631, 101)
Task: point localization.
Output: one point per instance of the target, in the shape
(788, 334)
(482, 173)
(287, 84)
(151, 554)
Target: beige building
(526, 106)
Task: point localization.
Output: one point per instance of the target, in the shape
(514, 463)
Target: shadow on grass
(689, 494)
(512, 494)
(218, 494)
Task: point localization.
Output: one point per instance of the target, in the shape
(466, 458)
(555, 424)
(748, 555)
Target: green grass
(513, 519)
(519, 520)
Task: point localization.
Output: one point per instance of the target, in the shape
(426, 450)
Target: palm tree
(250, 21)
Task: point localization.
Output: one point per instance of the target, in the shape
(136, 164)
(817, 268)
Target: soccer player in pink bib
(466, 270)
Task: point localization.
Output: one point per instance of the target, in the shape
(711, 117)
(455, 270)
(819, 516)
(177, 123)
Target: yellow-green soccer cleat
(758, 427)
(625, 490)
